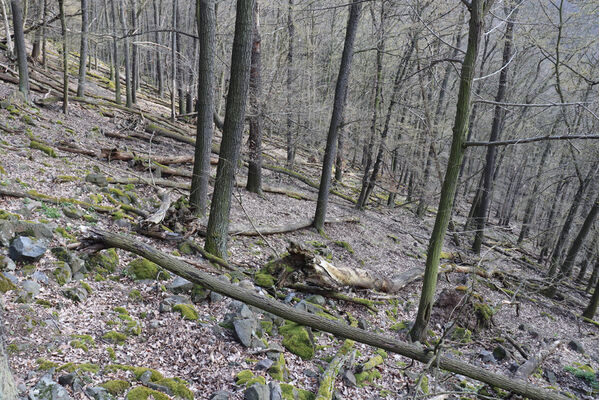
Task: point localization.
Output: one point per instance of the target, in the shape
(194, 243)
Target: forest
(299, 200)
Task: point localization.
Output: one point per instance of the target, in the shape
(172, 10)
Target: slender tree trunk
(9, 45)
(65, 58)
(594, 276)
(591, 253)
(134, 55)
(480, 217)
(8, 387)
(254, 183)
(115, 54)
(37, 40)
(339, 158)
(127, 52)
(591, 309)
(174, 64)
(159, 69)
(201, 166)
(83, 49)
(340, 93)
(220, 208)
(180, 67)
(20, 49)
(478, 9)
(290, 93)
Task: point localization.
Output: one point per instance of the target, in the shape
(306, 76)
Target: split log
(526, 369)
(98, 240)
(159, 215)
(271, 230)
(327, 380)
(116, 154)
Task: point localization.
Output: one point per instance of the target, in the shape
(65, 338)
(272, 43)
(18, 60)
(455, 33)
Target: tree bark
(254, 182)
(100, 240)
(9, 45)
(8, 387)
(220, 208)
(201, 167)
(37, 41)
(290, 94)
(83, 49)
(340, 92)
(20, 49)
(115, 56)
(126, 51)
(478, 9)
(65, 58)
(591, 309)
(134, 55)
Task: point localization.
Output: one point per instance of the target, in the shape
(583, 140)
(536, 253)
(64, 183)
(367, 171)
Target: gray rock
(245, 312)
(224, 278)
(363, 323)
(500, 353)
(289, 297)
(160, 388)
(77, 294)
(576, 346)
(41, 277)
(31, 287)
(6, 263)
(77, 265)
(174, 300)
(145, 377)
(67, 379)
(337, 396)
(47, 389)
(11, 277)
(264, 364)
(486, 356)
(220, 395)
(257, 391)
(180, 285)
(38, 231)
(275, 390)
(311, 373)
(530, 329)
(307, 307)
(21, 387)
(98, 393)
(72, 212)
(123, 223)
(62, 273)
(24, 248)
(215, 297)
(244, 330)
(550, 376)
(247, 284)
(97, 179)
(316, 299)
(6, 233)
(349, 378)
(258, 344)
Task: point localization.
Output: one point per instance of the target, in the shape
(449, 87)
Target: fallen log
(530, 366)
(98, 240)
(271, 230)
(159, 215)
(116, 154)
(327, 380)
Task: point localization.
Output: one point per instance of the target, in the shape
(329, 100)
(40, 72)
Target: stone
(48, 389)
(500, 353)
(550, 376)
(6, 233)
(123, 223)
(180, 285)
(6, 263)
(98, 393)
(77, 294)
(77, 264)
(576, 346)
(145, 377)
(257, 391)
(245, 312)
(24, 248)
(244, 330)
(67, 379)
(32, 229)
(530, 329)
(72, 212)
(264, 364)
(363, 323)
(216, 297)
(41, 277)
(247, 284)
(275, 390)
(31, 287)
(172, 301)
(160, 388)
(97, 179)
(316, 299)
(486, 356)
(62, 273)
(311, 373)
(349, 378)
(220, 395)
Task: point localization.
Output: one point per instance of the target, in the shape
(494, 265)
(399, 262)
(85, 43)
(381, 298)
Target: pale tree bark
(290, 93)
(126, 51)
(159, 69)
(254, 182)
(134, 55)
(337, 114)
(37, 41)
(201, 166)
(83, 49)
(8, 387)
(174, 64)
(591, 253)
(594, 275)
(65, 58)
(478, 9)
(115, 55)
(9, 45)
(220, 208)
(20, 49)
(591, 309)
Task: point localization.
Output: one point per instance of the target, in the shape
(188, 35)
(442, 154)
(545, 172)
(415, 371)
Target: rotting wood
(370, 304)
(526, 369)
(327, 380)
(158, 216)
(271, 230)
(98, 240)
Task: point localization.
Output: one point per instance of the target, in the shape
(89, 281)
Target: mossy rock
(135, 295)
(247, 378)
(116, 387)
(185, 248)
(42, 147)
(142, 268)
(44, 365)
(264, 280)
(278, 370)
(177, 386)
(5, 284)
(106, 259)
(461, 335)
(85, 367)
(297, 339)
(155, 376)
(187, 311)
(290, 392)
(367, 377)
(115, 337)
(144, 393)
(62, 273)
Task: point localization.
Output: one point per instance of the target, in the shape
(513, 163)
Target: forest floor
(48, 331)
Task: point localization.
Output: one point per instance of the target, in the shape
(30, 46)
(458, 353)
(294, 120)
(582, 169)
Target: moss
(297, 340)
(107, 259)
(367, 377)
(85, 367)
(177, 386)
(137, 371)
(484, 314)
(279, 370)
(5, 284)
(424, 384)
(400, 326)
(132, 328)
(266, 326)
(42, 147)
(115, 337)
(62, 273)
(63, 232)
(121, 310)
(185, 248)
(461, 335)
(43, 303)
(66, 178)
(345, 245)
(89, 218)
(44, 365)
(142, 268)
(87, 287)
(247, 378)
(78, 344)
(290, 392)
(187, 311)
(144, 393)
(116, 387)
(111, 353)
(264, 280)
(135, 295)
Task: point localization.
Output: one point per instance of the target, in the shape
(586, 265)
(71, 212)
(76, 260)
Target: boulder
(24, 248)
(257, 391)
(180, 285)
(244, 330)
(48, 389)
(98, 393)
(6, 233)
(576, 346)
(6, 264)
(221, 395)
(275, 390)
(97, 179)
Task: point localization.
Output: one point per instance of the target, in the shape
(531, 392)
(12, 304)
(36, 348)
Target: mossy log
(274, 229)
(327, 381)
(370, 304)
(98, 240)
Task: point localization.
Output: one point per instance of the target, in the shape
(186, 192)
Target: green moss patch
(116, 387)
(187, 311)
(247, 378)
(290, 392)
(142, 268)
(42, 147)
(5, 284)
(144, 393)
(115, 337)
(264, 280)
(297, 340)
(44, 365)
(106, 259)
(279, 370)
(177, 386)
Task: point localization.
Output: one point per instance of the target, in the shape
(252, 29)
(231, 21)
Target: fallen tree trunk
(271, 230)
(98, 240)
(116, 154)
(530, 366)
(327, 381)
(159, 215)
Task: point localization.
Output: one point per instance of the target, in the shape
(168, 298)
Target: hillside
(75, 321)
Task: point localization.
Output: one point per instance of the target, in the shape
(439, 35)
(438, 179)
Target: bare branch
(530, 140)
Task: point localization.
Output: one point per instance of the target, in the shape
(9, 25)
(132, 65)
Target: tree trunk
(134, 55)
(126, 51)
(83, 49)
(591, 309)
(9, 45)
(478, 9)
(159, 69)
(254, 183)
(115, 56)
(65, 58)
(8, 388)
(100, 239)
(339, 102)
(594, 276)
(480, 217)
(201, 167)
(37, 41)
(591, 253)
(174, 63)
(218, 222)
(290, 94)
(20, 49)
